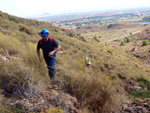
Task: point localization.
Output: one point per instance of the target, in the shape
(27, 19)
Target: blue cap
(44, 32)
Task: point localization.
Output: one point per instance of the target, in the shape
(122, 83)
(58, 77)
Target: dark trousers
(50, 61)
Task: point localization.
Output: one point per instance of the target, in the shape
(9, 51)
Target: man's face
(44, 37)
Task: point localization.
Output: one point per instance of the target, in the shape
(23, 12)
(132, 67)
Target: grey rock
(85, 40)
(133, 49)
(138, 88)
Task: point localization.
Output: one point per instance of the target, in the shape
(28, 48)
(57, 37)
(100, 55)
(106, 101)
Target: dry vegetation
(94, 87)
(109, 31)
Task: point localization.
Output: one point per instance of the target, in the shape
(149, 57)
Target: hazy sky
(26, 8)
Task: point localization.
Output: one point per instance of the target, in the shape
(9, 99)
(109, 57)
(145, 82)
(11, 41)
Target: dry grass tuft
(17, 79)
(90, 92)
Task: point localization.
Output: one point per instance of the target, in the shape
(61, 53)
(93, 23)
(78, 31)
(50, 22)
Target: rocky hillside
(136, 47)
(109, 84)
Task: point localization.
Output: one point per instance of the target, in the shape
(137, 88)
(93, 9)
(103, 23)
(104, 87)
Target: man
(50, 48)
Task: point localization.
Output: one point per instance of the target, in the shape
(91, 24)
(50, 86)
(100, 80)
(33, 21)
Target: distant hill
(92, 14)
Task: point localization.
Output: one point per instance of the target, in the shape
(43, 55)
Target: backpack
(49, 38)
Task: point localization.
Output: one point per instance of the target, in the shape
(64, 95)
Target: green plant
(17, 79)
(128, 40)
(141, 94)
(109, 51)
(97, 40)
(141, 84)
(13, 19)
(122, 44)
(93, 94)
(130, 33)
(143, 57)
(53, 110)
(144, 81)
(8, 46)
(71, 34)
(26, 30)
(125, 40)
(145, 43)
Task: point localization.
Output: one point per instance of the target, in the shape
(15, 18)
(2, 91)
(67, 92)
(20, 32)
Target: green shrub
(145, 43)
(141, 94)
(109, 51)
(130, 33)
(144, 81)
(26, 30)
(100, 36)
(13, 19)
(125, 40)
(94, 94)
(122, 44)
(97, 40)
(143, 57)
(128, 40)
(70, 34)
(141, 84)
(9, 44)
(17, 79)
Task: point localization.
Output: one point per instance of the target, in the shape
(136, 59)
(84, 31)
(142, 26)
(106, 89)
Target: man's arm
(38, 53)
(55, 50)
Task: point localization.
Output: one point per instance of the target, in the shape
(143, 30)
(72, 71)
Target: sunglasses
(41, 33)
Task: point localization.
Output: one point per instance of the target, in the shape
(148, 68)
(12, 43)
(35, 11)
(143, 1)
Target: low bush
(70, 34)
(143, 57)
(130, 33)
(125, 40)
(9, 44)
(141, 94)
(31, 59)
(13, 19)
(128, 40)
(26, 30)
(97, 40)
(89, 91)
(109, 51)
(144, 81)
(122, 44)
(17, 79)
(145, 43)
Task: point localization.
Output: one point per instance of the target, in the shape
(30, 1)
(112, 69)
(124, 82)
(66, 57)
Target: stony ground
(50, 100)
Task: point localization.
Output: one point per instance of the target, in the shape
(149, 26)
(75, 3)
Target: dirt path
(110, 40)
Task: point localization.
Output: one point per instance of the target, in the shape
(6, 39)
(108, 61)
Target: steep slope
(97, 88)
(135, 47)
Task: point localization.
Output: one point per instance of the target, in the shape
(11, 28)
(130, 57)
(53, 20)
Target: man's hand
(51, 53)
(38, 53)
(40, 59)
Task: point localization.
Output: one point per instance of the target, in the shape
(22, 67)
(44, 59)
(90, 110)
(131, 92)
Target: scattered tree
(128, 40)
(122, 44)
(145, 43)
(130, 33)
(125, 40)
(70, 34)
